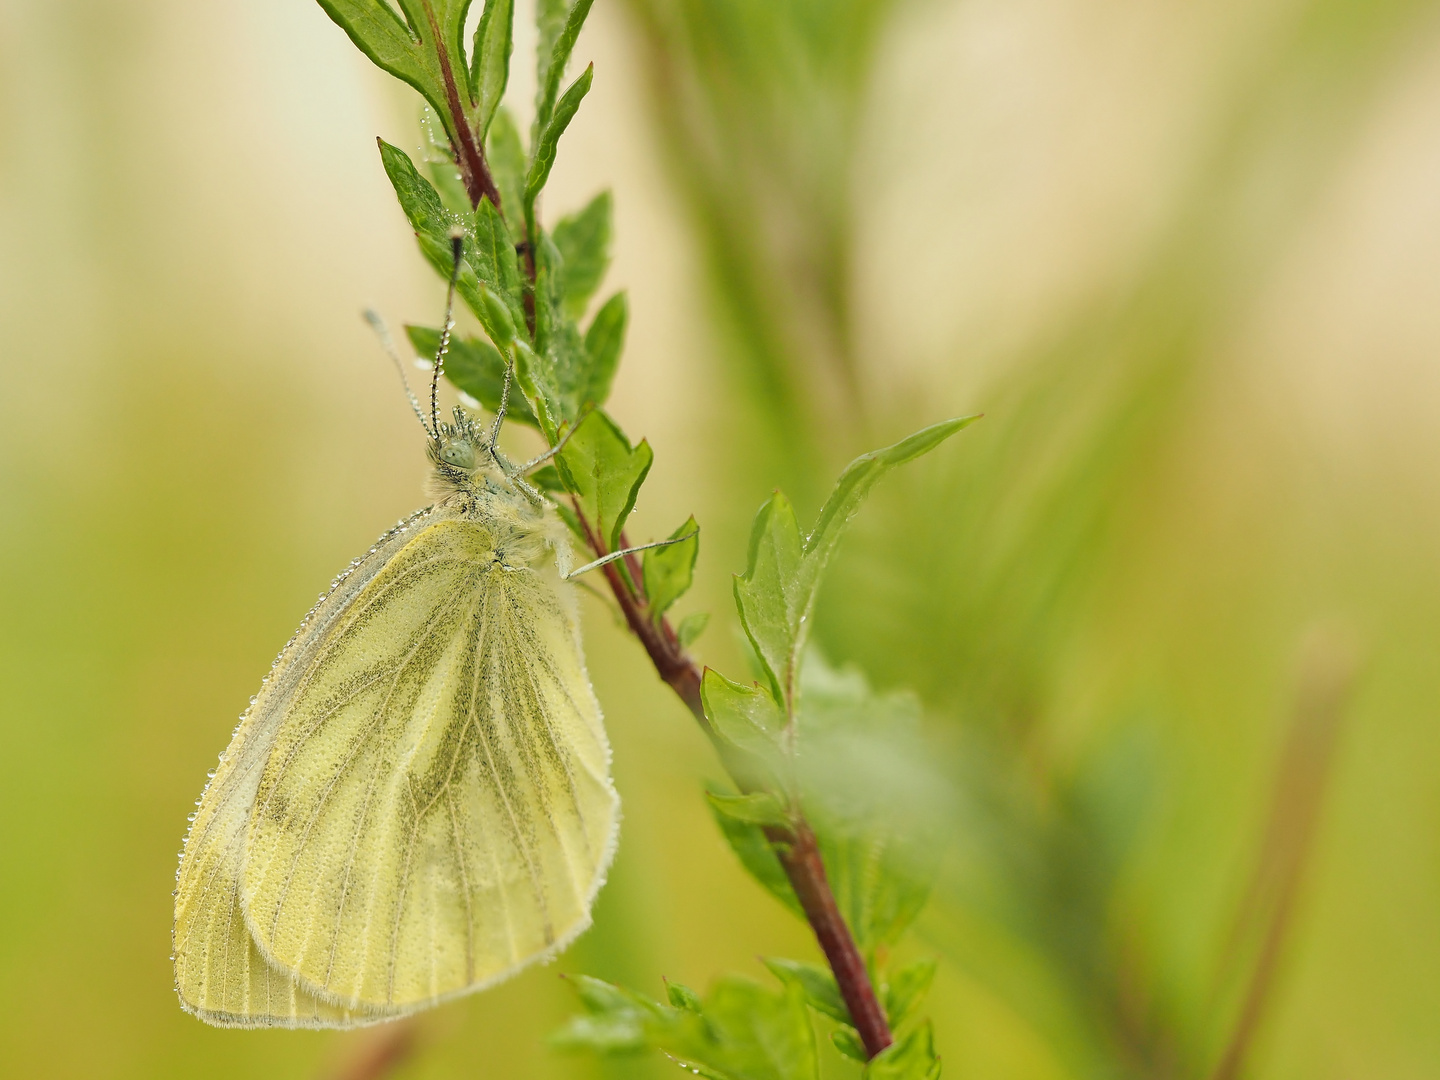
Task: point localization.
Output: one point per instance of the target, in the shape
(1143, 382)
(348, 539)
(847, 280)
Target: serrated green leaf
(490, 65)
(584, 243)
(605, 473)
(776, 594)
(507, 164)
(773, 594)
(849, 1044)
(758, 808)
(911, 1057)
(557, 41)
(669, 570)
(745, 717)
(816, 981)
(759, 859)
(549, 138)
(903, 991)
(691, 627)
(603, 342)
(476, 367)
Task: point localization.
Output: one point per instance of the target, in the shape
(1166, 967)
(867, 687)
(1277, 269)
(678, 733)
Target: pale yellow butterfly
(418, 802)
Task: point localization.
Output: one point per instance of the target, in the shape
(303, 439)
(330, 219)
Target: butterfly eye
(460, 454)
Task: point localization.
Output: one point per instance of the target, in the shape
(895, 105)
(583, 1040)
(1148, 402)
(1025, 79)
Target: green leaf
(758, 808)
(682, 997)
(553, 53)
(507, 163)
(615, 1021)
(860, 476)
(691, 627)
(605, 473)
(549, 139)
(874, 800)
(759, 1034)
(903, 991)
(433, 223)
(426, 50)
(556, 336)
(911, 1057)
(603, 342)
(477, 368)
(584, 243)
(490, 70)
(493, 257)
(745, 717)
(816, 981)
(381, 35)
(849, 1044)
(550, 19)
(776, 594)
(739, 1031)
(759, 859)
(670, 569)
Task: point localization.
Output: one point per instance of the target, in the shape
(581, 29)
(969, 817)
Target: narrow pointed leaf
(772, 594)
(554, 51)
(490, 65)
(549, 139)
(507, 164)
(669, 570)
(603, 343)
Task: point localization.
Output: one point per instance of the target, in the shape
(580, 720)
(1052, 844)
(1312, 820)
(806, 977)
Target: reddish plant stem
(468, 155)
(797, 849)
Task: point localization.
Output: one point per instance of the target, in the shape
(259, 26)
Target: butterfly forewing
(219, 973)
(435, 808)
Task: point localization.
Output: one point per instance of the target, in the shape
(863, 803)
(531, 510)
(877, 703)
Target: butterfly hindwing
(435, 810)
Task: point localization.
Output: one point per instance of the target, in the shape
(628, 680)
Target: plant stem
(798, 852)
(797, 849)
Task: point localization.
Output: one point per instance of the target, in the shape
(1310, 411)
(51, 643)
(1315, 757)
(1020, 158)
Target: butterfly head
(461, 454)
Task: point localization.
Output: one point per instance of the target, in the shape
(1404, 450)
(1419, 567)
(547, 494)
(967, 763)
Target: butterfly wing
(435, 811)
(219, 974)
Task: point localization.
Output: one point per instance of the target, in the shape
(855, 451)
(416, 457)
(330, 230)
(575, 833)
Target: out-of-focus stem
(797, 850)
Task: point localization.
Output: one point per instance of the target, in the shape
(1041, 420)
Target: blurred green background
(1185, 256)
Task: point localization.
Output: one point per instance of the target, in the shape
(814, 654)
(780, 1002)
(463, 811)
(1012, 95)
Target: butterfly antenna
(388, 344)
(457, 248)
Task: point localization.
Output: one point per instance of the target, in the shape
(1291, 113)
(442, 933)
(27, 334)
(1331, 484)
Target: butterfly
(418, 802)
